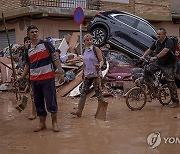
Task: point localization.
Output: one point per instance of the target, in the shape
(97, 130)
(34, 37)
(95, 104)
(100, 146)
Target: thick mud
(124, 132)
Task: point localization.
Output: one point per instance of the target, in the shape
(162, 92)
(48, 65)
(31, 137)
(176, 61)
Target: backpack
(49, 45)
(104, 59)
(175, 42)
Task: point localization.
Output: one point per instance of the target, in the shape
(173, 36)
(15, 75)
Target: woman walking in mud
(92, 63)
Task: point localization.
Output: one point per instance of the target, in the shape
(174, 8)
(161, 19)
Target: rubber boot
(81, 104)
(78, 113)
(42, 124)
(54, 122)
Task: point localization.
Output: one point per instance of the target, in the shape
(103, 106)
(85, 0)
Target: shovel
(21, 102)
(102, 106)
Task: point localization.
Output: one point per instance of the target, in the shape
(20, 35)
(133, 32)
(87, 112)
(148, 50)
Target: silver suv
(123, 30)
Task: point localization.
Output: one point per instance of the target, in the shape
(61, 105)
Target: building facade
(55, 17)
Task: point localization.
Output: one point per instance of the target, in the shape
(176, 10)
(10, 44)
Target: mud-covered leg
(54, 122)
(86, 85)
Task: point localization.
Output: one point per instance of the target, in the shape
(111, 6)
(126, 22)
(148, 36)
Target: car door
(120, 32)
(142, 37)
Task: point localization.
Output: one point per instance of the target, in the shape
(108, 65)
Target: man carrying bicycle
(164, 59)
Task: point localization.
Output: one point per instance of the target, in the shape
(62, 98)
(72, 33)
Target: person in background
(23, 83)
(27, 43)
(177, 52)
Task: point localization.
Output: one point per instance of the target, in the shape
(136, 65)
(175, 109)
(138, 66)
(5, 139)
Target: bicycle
(136, 97)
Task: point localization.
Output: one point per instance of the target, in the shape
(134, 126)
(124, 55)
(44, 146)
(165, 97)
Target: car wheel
(99, 36)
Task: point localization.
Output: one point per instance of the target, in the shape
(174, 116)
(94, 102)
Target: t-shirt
(40, 62)
(169, 58)
(90, 60)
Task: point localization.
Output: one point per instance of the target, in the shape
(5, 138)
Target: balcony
(86, 4)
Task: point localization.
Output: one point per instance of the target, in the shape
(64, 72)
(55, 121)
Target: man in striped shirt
(40, 58)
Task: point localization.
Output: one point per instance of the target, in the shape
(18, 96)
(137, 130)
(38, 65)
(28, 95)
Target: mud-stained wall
(46, 27)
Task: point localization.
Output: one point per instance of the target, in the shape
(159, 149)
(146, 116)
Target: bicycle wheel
(136, 98)
(164, 95)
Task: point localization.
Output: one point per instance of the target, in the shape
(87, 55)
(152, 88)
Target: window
(73, 3)
(125, 19)
(145, 28)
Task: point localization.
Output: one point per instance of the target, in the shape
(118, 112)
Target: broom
(21, 102)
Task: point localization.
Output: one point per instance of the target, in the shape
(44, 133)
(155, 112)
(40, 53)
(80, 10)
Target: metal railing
(86, 4)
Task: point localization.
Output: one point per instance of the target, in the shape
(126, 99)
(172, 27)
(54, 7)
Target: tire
(99, 36)
(165, 97)
(136, 98)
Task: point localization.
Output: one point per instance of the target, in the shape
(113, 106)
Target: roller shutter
(3, 38)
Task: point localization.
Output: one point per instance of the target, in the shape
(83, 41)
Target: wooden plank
(67, 87)
(69, 66)
(73, 41)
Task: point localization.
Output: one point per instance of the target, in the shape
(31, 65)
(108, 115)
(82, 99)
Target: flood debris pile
(117, 75)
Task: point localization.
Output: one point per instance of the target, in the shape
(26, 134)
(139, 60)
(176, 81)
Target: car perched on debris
(124, 31)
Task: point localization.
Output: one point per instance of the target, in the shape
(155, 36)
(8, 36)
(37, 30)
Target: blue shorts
(44, 91)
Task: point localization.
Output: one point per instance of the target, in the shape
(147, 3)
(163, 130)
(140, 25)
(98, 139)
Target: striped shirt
(38, 57)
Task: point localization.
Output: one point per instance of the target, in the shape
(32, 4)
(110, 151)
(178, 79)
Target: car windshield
(120, 58)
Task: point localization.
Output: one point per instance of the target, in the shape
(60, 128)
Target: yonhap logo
(154, 139)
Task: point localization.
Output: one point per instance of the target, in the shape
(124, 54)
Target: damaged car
(124, 31)
(120, 66)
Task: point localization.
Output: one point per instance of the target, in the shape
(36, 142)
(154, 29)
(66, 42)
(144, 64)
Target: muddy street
(124, 132)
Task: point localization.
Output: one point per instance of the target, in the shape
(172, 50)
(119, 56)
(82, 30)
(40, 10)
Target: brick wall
(148, 7)
(9, 5)
(157, 7)
(107, 6)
